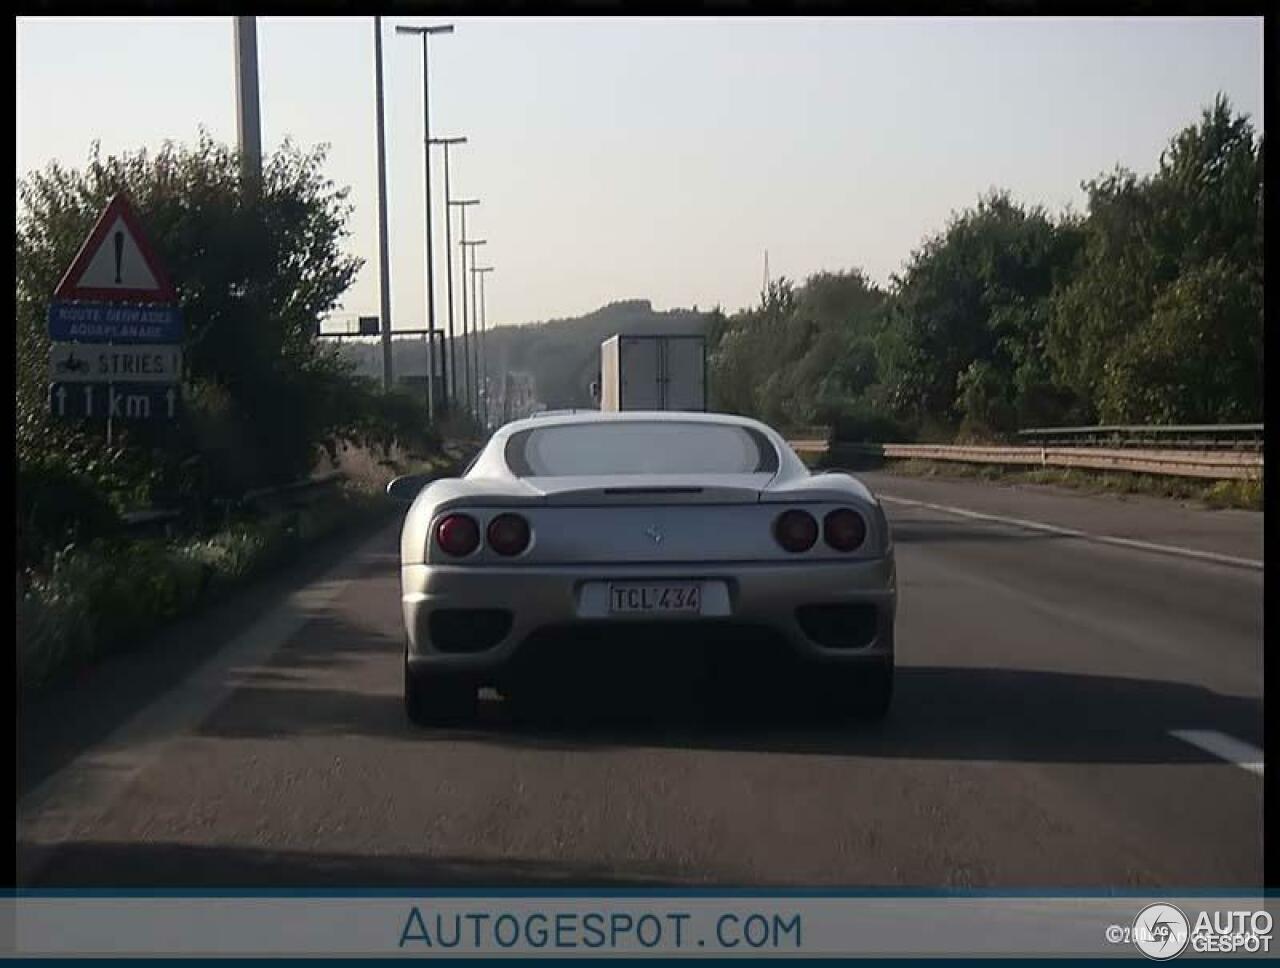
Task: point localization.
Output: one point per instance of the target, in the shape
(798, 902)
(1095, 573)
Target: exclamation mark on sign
(119, 254)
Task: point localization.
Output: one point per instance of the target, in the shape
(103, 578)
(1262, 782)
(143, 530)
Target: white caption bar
(587, 926)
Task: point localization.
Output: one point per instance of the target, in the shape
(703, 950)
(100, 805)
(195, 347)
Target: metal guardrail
(155, 519)
(1188, 437)
(287, 491)
(141, 519)
(813, 445)
(163, 519)
(1214, 465)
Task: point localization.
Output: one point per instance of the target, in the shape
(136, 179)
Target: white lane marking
(1225, 747)
(1085, 535)
(87, 787)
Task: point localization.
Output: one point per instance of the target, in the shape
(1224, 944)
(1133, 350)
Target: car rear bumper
(543, 600)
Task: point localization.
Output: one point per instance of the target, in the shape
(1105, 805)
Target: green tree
(803, 355)
(1164, 321)
(965, 335)
(1199, 357)
(255, 272)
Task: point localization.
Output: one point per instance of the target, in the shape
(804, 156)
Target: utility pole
(248, 120)
(425, 33)
(450, 360)
(475, 308)
(484, 359)
(384, 262)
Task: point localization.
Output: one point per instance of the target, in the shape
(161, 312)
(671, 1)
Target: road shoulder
(59, 723)
(1136, 518)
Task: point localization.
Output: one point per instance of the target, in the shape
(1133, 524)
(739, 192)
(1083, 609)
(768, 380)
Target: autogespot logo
(1160, 931)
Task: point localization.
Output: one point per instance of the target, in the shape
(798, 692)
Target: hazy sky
(655, 158)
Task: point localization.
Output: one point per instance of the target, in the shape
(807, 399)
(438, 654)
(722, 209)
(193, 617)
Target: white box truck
(667, 372)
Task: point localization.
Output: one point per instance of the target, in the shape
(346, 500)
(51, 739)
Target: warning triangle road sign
(116, 262)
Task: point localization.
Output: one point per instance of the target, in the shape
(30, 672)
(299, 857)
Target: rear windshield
(639, 447)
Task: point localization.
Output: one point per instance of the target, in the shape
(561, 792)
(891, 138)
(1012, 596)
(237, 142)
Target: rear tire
(433, 699)
(873, 693)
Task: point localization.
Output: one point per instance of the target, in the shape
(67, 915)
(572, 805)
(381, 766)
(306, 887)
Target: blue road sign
(114, 323)
(122, 401)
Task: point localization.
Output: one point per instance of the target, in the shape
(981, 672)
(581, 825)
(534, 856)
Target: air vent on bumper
(839, 626)
(468, 629)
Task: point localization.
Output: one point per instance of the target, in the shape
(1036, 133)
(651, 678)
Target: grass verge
(1243, 495)
(103, 597)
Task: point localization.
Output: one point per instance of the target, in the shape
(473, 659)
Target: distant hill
(562, 355)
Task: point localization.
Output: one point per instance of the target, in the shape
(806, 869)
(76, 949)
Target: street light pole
(426, 32)
(461, 205)
(248, 120)
(475, 333)
(384, 263)
(451, 378)
(484, 358)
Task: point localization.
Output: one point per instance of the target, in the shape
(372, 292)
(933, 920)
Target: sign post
(115, 327)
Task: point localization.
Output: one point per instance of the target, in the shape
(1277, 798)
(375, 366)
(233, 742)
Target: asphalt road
(1070, 713)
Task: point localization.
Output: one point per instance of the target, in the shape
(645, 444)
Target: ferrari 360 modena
(665, 531)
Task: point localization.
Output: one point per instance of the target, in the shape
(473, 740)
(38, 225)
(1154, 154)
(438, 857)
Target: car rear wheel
(432, 699)
(873, 693)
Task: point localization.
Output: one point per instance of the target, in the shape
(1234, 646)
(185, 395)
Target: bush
(57, 507)
(380, 420)
(54, 629)
(862, 425)
(981, 399)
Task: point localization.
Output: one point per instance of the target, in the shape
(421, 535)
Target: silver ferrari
(665, 531)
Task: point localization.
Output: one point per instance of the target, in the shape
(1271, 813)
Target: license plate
(667, 597)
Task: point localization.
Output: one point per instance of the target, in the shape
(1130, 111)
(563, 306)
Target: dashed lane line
(1234, 751)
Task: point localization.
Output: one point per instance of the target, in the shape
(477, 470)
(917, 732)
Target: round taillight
(795, 530)
(844, 529)
(508, 534)
(457, 535)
